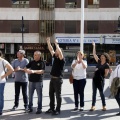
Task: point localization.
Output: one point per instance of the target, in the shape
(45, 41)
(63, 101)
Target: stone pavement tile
(67, 112)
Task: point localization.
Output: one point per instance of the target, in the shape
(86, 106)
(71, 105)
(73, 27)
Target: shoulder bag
(4, 68)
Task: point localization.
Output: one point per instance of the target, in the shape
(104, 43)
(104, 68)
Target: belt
(54, 76)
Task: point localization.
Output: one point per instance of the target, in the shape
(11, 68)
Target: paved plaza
(67, 112)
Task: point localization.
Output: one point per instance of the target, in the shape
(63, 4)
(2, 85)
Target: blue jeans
(2, 86)
(38, 86)
(101, 94)
(79, 86)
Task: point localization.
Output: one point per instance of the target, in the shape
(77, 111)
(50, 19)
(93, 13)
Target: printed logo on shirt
(38, 64)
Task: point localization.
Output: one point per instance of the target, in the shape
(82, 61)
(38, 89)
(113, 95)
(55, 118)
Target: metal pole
(22, 32)
(82, 26)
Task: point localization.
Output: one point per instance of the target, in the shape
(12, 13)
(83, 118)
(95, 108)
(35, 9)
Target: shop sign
(77, 39)
(33, 48)
(112, 41)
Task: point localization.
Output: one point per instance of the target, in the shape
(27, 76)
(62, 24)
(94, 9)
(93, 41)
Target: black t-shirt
(57, 67)
(36, 65)
(102, 68)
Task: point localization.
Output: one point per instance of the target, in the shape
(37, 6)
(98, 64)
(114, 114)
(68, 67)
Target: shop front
(32, 47)
(71, 45)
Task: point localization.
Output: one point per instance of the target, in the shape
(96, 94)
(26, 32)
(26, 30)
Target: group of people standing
(101, 71)
(36, 68)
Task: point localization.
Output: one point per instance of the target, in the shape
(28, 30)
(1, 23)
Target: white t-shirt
(2, 72)
(78, 71)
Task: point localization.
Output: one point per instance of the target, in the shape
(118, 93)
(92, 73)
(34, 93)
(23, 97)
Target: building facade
(25, 24)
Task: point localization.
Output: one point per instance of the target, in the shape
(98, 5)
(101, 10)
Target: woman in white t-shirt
(4, 65)
(79, 79)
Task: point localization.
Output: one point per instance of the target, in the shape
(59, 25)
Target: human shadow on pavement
(96, 115)
(65, 115)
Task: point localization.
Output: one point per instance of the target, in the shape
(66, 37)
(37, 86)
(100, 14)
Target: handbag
(4, 69)
(115, 85)
(71, 78)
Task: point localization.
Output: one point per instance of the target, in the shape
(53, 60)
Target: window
(47, 4)
(71, 4)
(20, 3)
(92, 26)
(119, 3)
(16, 26)
(93, 3)
(47, 27)
(70, 26)
(9, 48)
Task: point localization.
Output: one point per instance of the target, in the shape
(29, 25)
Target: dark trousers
(94, 87)
(117, 97)
(78, 86)
(18, 85)
(55, 89)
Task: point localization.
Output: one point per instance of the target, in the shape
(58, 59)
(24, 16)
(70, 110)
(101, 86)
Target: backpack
(115, 86)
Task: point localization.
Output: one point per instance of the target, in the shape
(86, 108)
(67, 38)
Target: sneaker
(49, 111)
(81, 108)
(14, 108)
(76, 108)
(92, 108)
(118, 114)
(38, 111)
(30, 110)
(56, 113)
(26, 109)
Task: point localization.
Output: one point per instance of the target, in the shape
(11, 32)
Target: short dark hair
(1, 53)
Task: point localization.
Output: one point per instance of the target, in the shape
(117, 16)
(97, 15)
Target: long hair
(106, 56)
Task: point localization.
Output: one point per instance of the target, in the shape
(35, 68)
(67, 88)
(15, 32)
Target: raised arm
(94, 53)
(58, 49)
(50, 46)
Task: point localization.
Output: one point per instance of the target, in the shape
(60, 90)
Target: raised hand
(93, 43)
(48, 39)
(56, 41)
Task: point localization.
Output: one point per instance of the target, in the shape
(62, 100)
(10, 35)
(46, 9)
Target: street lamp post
(82, 26)
(22, 29)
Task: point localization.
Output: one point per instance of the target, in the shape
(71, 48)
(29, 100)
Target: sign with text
(112, 41)
(77, 40)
